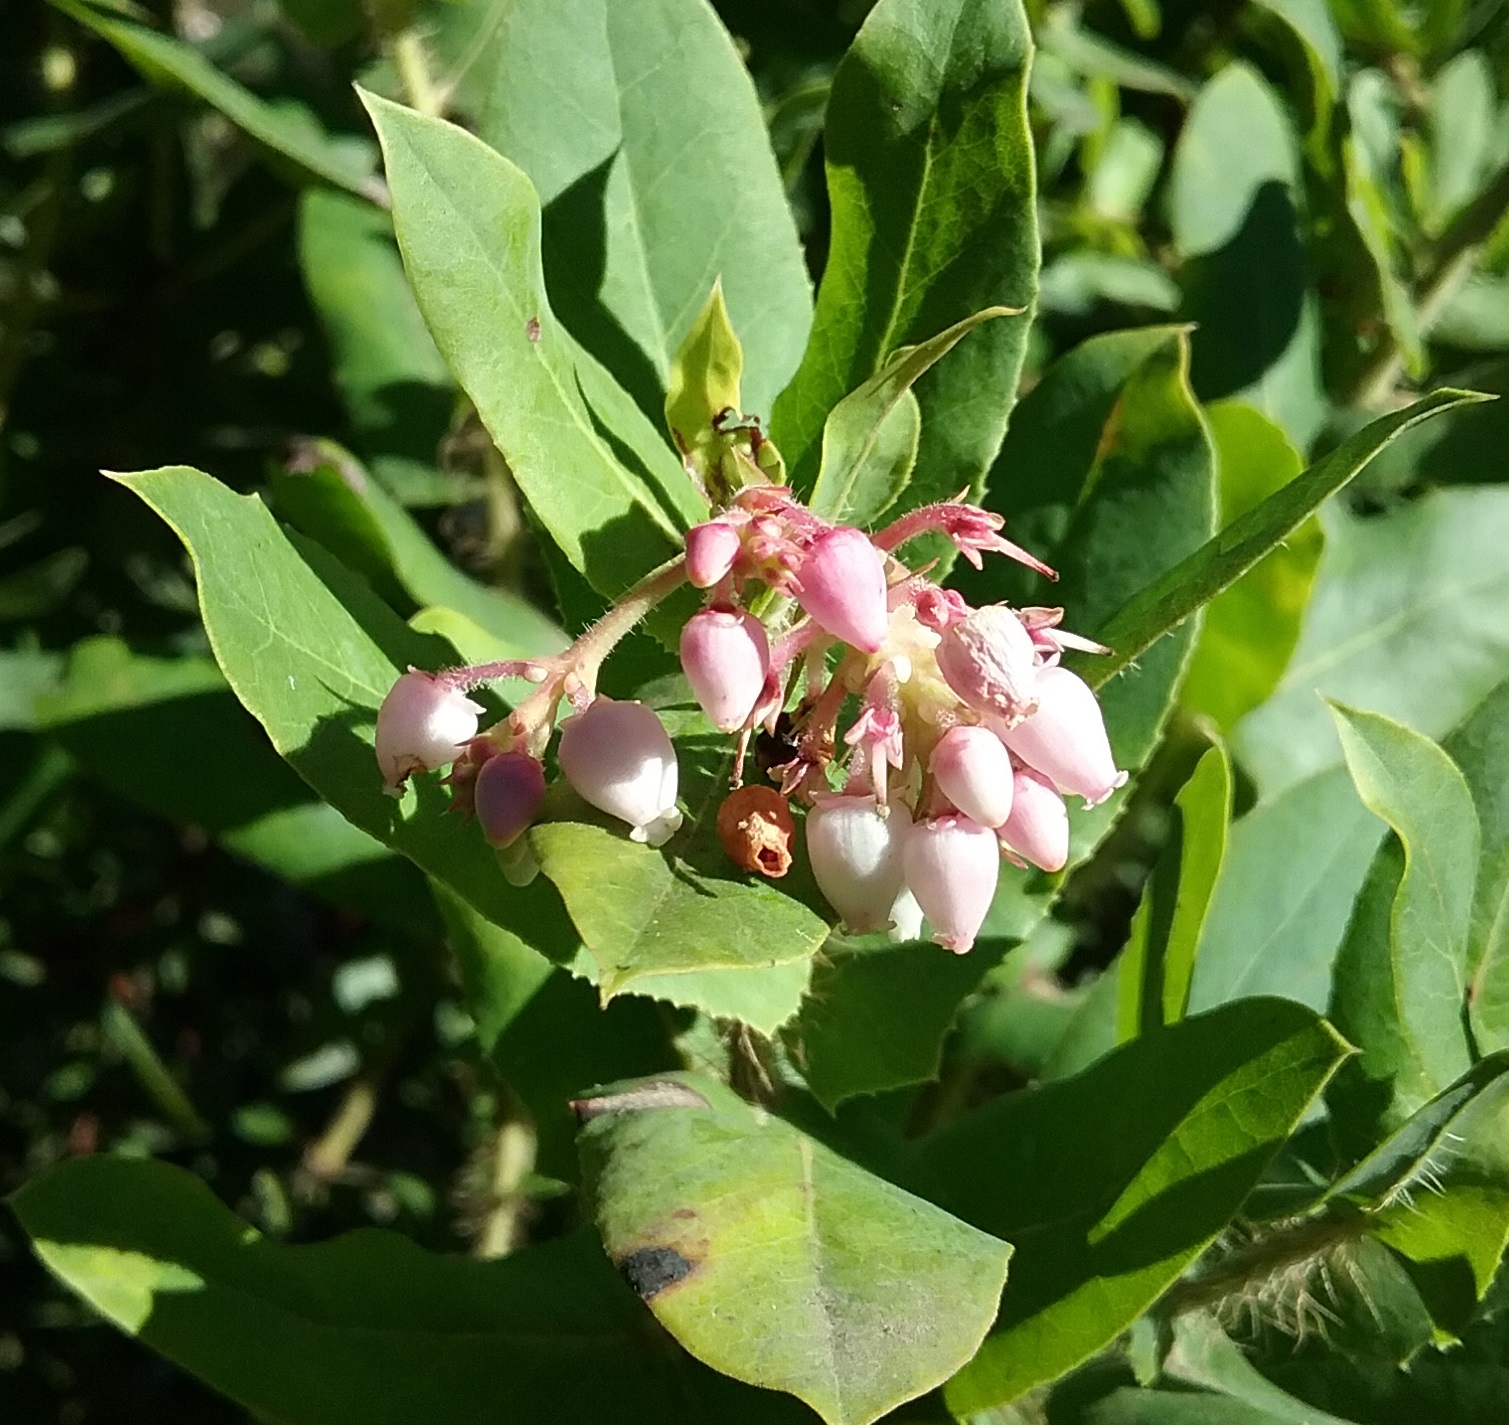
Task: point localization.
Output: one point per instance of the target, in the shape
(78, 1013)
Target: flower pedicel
(927, 739)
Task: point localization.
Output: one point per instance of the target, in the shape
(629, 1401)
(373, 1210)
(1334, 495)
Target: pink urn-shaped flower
(1065, 739)
(618, 757)
(972, 769)
(1038, 828)
(989, 660)
(711, 548)
(856, 855)
(842, 585)
(725, 655)
(506, 794)
(952, 866)
(422, 725)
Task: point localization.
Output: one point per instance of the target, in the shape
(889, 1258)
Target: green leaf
(1462, 140)
(930, 177)
(1401, 976)
(1312, 23)
(876, 1015)
(26, 674)
(681, 922)
(1251, 628)
(1167, 1135)
(543, 1029)
(1480, 747)
(1383, 588)
(776, 1261)
(1451, 1220)
(311, 653)
(396, 388)
(167, 734)
(641, 130)
(1204, 1355)
(1163, 604)
(1370, 158)
(1158, 962)
(604, 484)
(870, 437)
(1296, 860)
(704, 383)
(288, 130)
(367, 1327)
(330, 499)
(1233, 204)
(1412, 1155)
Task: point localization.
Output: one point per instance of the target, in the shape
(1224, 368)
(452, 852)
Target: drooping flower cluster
(925, 738)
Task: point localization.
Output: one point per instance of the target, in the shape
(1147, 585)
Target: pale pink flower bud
(619, 758)
(422, 724)
(952, 866)
(725, 656)
(711, 549)
(1038, 828)
(973, 770)
(855, 852)
(842, 586)
(1065, 739)
(989, 660)
(506, 794)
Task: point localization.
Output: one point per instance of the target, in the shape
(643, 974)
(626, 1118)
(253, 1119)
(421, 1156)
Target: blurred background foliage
(200, 961)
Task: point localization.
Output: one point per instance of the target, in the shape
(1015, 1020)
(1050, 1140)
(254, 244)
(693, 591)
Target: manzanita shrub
(873, 647)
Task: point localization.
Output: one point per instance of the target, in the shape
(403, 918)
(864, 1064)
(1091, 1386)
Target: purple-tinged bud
(856, 857)
(973, 770)
(725, 656)
(506, 795)
(711, 549)
(989, 660)
(422, 724)
(952, 866)
(842, 586)
(1038, 828)
(1065, 739)
(619, 758)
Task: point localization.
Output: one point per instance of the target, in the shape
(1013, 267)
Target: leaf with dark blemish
(651, 1269)
(793, 1268)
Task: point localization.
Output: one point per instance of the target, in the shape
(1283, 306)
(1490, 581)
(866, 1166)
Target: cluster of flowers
(968, 733)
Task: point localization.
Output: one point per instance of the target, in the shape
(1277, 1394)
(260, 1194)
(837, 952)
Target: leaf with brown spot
(778, 1262)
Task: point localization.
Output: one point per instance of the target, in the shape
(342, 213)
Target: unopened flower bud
(952, 866)
(856, 858)
(506, 794)
(725, 656)
(422, 724)
(755, 827)
(973, 770)
(618, 757)
(989, 660)
(1065, 739)
(711, 549)
(1038, 828)
(843, 588)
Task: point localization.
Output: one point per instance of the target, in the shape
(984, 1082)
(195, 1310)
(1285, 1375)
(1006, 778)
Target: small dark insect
(532, 328)
(651, 1269)
(778, 748)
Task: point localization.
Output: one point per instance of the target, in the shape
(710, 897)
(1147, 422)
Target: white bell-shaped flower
(422, 725)
(952, 866)
(619, 758)
(855, 850)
